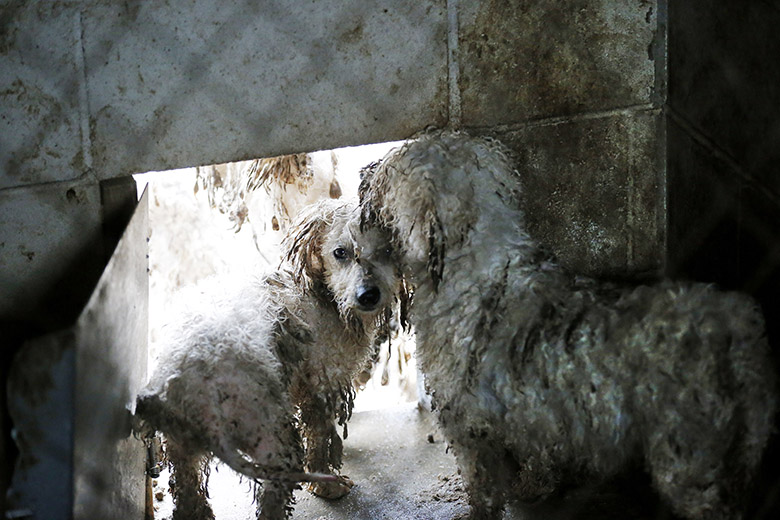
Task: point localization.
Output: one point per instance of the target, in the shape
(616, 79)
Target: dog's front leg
(488, 469)
(323, 449)
(478, 467)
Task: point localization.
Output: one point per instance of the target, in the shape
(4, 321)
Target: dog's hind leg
(691, 468)
(323, 449)
(190, 494)
(708, 439)
(691, 491)
(486, 498)
(274, 500)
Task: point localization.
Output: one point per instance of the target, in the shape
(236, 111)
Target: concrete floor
(398, 474)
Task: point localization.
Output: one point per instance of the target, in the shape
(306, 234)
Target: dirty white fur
(544, 380)
(255, 366)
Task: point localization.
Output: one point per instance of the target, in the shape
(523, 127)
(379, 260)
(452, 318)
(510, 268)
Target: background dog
(544, 380)
(246, 358)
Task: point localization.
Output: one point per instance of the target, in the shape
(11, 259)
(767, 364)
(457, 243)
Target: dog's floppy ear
(368, 217)
(302, 244)
(379, 178)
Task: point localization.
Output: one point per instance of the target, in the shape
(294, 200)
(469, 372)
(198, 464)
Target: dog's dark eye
(340, 253)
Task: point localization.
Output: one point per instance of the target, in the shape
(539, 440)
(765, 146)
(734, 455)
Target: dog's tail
(149, 411)
(306, 477)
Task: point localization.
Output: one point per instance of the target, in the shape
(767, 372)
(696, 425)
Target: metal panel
(111, 356)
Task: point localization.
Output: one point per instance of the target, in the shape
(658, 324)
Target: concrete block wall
(576, 89)
(94, 89)
(91, 90)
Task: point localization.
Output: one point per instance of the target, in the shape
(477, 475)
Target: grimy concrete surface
(94, 89)
(397, 471)
(401, 475)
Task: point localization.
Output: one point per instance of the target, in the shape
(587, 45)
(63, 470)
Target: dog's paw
(332, 490)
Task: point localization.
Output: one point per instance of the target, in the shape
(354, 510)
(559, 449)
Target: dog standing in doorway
(257, 373)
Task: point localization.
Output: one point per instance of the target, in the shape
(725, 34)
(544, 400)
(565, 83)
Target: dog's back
(705, 394)
(219, 386)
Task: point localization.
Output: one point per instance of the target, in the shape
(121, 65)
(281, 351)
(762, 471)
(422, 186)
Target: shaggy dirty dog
(544, 380)
(253, 370)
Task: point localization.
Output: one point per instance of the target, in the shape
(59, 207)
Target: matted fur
(543, 379)
(291, 182)
(254, 370)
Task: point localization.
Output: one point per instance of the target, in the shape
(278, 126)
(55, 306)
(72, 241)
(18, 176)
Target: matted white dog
(543, 379)
(247, 359)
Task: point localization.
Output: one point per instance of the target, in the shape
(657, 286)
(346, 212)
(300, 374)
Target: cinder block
(51, 251)
(535, 59)
(187, 83)
(40, 111)
(594, 192)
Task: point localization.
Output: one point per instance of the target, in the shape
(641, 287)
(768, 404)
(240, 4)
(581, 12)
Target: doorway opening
(213, 220)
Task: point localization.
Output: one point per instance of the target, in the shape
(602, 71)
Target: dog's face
(358, 266)
(327, 247)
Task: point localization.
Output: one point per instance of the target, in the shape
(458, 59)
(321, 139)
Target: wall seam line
(453, 65)
(86, 138)
(558, 120)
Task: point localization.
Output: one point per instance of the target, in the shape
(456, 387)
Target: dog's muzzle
(368, 297)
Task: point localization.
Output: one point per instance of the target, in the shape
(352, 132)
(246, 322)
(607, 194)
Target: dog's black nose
(369, 296)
